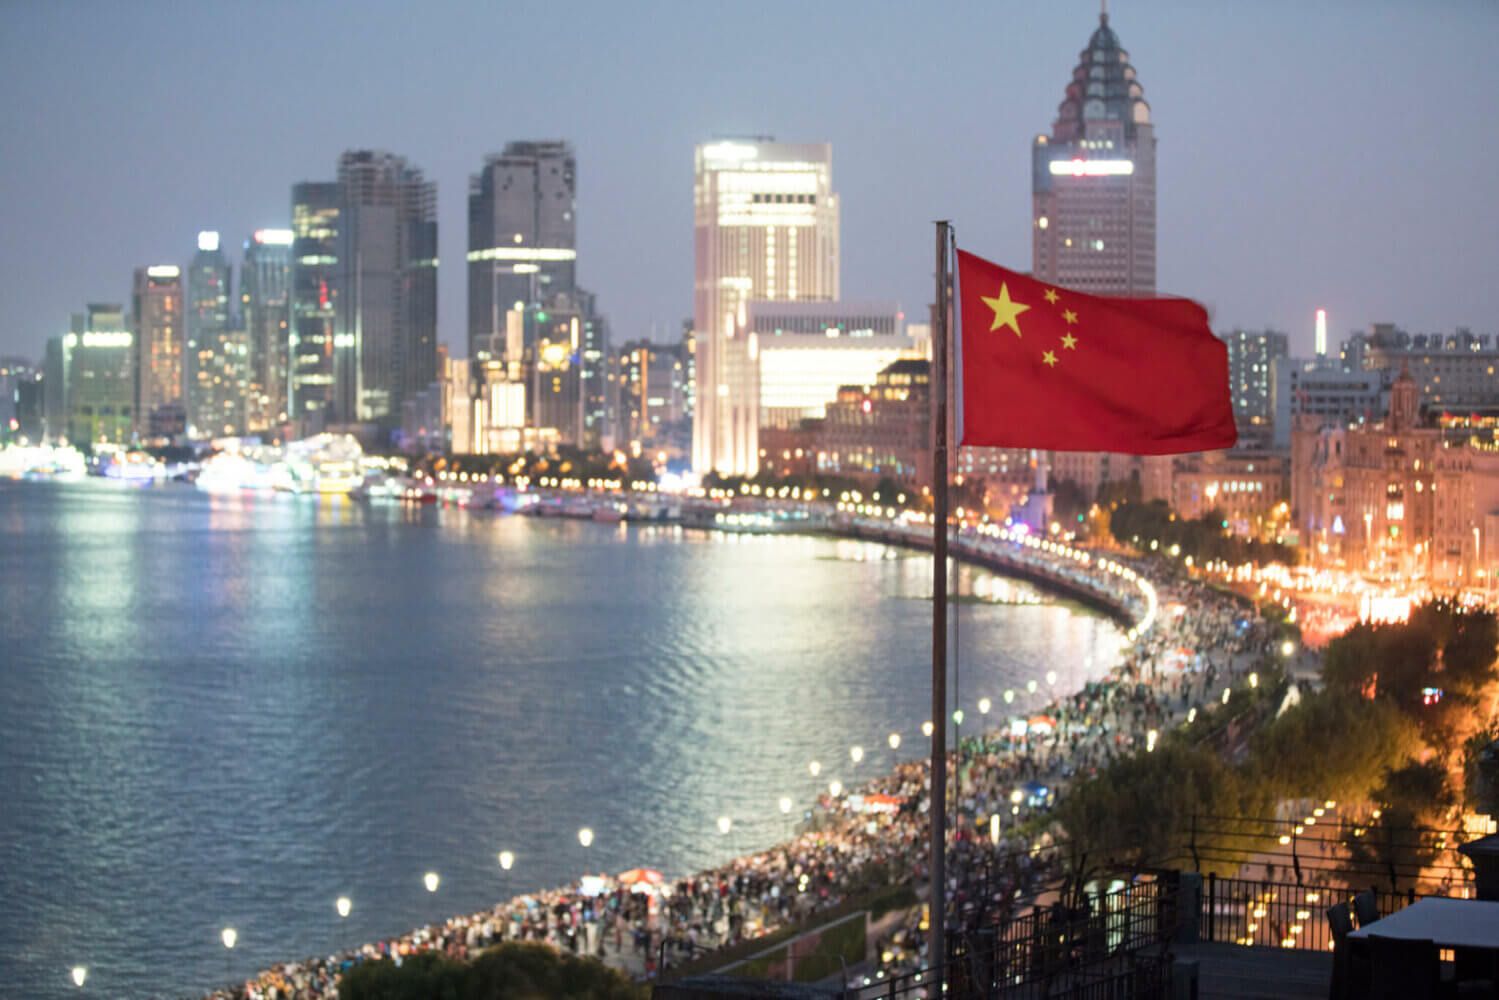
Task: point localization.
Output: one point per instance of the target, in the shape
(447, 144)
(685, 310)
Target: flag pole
(937, 807)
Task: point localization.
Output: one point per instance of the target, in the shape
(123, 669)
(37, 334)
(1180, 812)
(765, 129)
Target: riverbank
(630, 923)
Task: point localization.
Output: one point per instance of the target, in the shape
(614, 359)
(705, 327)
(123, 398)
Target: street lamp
(894, 741)
(1009, 696)
(229, 936)
(815, 768)
(585, 837)
(785, 804)
(835, 788)
(984, 705)
(507, 860)
(80, 973)
(725, 824)
(856, 754)
(343, 905)
(431, 881)
(927, 728)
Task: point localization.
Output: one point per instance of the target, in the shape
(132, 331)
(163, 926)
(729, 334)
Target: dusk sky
(1343, 155)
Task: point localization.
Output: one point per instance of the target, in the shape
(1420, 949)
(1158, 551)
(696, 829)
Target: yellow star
(1069, 315)
(1069, 341)
(1049, 359)
(1006, 310)
(1051, 296)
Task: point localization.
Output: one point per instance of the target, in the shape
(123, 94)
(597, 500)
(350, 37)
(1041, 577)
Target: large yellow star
(1051, 296)
(1049, 359)
(1069, 315)
(1069, 341)
(1006, 310)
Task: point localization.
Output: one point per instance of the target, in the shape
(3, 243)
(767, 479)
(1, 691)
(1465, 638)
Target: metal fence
(1280, 914)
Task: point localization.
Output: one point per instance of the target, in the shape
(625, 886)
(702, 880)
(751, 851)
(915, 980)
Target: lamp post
(431, 880)
(230, 937)
(343, 906)
(80, 974)
(507, 860)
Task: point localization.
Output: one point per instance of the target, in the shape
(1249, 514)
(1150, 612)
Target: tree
(1332, 746)
(510, 971)
(1413, 799)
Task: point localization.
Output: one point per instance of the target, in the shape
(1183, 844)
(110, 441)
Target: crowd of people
(876, 836)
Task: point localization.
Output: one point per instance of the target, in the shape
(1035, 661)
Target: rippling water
(230, 710)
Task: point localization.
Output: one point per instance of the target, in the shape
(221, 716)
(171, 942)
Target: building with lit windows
(157, 307)
(1246, 487)
(807, 350)
(315, 216)
(765, 228)
(265, 304)
(1093, 205)
(98, 366)
(1453, 372)
(881, 430)
(215, 368)
(1321, 392)
(1252, 357)
(522, 237)
(385, 341)
(651, 407)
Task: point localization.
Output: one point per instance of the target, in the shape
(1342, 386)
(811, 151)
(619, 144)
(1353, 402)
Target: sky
(1311, 153)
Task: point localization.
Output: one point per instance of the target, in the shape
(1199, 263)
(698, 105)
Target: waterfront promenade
(633, 922)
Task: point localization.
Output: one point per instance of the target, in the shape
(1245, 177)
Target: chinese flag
(1047, 367)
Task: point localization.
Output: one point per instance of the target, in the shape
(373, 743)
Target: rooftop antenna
(1103, 13)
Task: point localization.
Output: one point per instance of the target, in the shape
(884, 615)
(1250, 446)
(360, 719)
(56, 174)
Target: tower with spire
(1093, 221)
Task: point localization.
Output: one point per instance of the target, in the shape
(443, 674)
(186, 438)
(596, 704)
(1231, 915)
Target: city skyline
(1326, 164)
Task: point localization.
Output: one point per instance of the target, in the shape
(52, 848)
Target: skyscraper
(1093, 208)
(315, 213)
(157, 306)
(1093, 179)
(98, 366)
(214, 367)
(1253, 356)
(522, 237)
(766, 224)
(265, 303)
(386, 340)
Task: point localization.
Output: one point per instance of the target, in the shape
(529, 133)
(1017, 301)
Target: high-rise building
(1093, 206)
(766, 224)
(214, 368)
(386, 339)
(315, 215)
(522, 237)
(1093, 179)
(157, 307)
(265, 304)
(1454, 371)
(20, 400)
(1252, 359)
(98, 366)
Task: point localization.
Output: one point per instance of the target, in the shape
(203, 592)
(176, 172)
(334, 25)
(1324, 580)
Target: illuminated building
(98, 365)
(215, 365)
(1453, 372)
(265, 301)
(315, 215)
(766, 228)
(1465, 514)
(881, 431)
(1363, 493)
(157, 306)
(1093, 181)
(807, 350)
(385, 339)
(1321, 392)
(1246, 487)
(1093, 207)
(522, 237)
(1252, 357)
(652, 398)
(20, 400)
(1319, 334)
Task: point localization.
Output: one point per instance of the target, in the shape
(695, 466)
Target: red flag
(1048, 367)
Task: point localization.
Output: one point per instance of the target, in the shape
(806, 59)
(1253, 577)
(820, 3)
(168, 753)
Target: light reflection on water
(233, 709)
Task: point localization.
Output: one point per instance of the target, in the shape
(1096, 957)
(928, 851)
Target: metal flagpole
(937, 808)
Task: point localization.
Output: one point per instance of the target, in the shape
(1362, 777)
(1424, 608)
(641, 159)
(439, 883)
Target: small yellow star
(1069, 315)
(1006, 310)
(1051, 296)
(1049, 359)
(1069, 341)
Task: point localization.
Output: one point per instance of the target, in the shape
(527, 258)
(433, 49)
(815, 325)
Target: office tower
(1252, 358)
(97, 364)
(20, 400)
(214, 367)
(315, 215)
(522, 237)
(157, 307)
(1093, 179)
(766, 227)
(386, 273)
(265, 305)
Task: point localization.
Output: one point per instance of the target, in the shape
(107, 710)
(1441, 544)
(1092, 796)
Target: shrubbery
(511, 971)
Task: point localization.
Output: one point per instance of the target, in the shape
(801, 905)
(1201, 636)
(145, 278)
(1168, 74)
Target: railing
(1139, 975)
(1279, 914)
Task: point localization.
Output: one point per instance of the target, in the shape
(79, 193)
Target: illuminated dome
(1103, 88)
